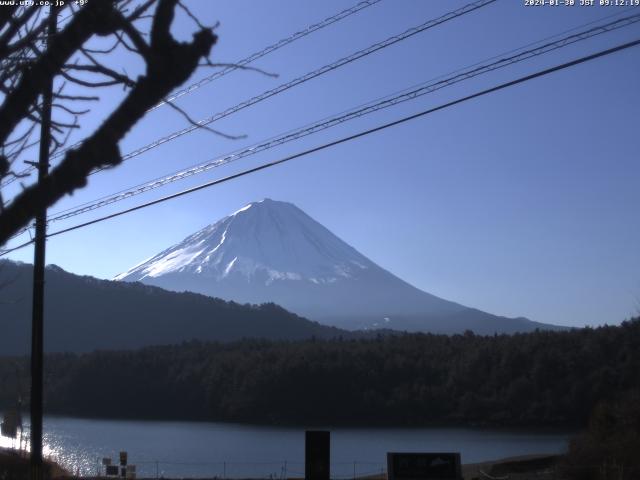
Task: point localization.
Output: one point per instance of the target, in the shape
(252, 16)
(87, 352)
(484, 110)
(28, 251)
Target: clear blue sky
(521, 203)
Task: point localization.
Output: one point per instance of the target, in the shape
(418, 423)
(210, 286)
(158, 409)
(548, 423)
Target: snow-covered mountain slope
(275, 240)
(271, 251)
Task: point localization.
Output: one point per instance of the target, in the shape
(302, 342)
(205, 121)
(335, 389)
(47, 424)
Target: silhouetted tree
(609, 447)
(141, 28)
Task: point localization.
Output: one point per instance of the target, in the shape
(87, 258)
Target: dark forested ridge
(539, 378)
(84, 314)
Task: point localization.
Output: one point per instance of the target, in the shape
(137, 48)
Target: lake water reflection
(203, 449)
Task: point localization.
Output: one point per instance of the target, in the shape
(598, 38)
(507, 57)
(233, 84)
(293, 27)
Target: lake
(206, 449)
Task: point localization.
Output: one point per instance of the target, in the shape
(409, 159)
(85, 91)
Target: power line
(345, 60)
(522, 47)
(303, 79)
(309, 76)
(330, 122)
(256, 55)
(271, 48)
(237, 65)
(13, 249)
(342, 140)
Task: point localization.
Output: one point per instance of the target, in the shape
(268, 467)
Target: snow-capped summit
(264, 240)
(271, 251)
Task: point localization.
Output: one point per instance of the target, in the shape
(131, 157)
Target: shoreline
(531, 466)
(15, 463)
(526, 467)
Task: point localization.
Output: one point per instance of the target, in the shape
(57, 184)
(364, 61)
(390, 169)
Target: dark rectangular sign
(317, 455)
(8, 430)
(112, 470)
(10, 423)
(424, 466)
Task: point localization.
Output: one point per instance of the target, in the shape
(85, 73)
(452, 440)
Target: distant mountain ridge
(271, 251)
(83, 314)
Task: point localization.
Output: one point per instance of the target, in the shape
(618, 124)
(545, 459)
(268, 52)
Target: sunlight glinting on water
(67, 455)
(54, 448)
(6, 442)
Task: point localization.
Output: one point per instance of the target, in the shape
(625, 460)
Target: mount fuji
(271, 251)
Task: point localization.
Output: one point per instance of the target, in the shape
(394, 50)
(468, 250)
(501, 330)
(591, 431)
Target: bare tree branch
(91, 19)
(169, 63)
(199, 125)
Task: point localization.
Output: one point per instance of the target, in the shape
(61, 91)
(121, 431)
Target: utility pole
(38, 274)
